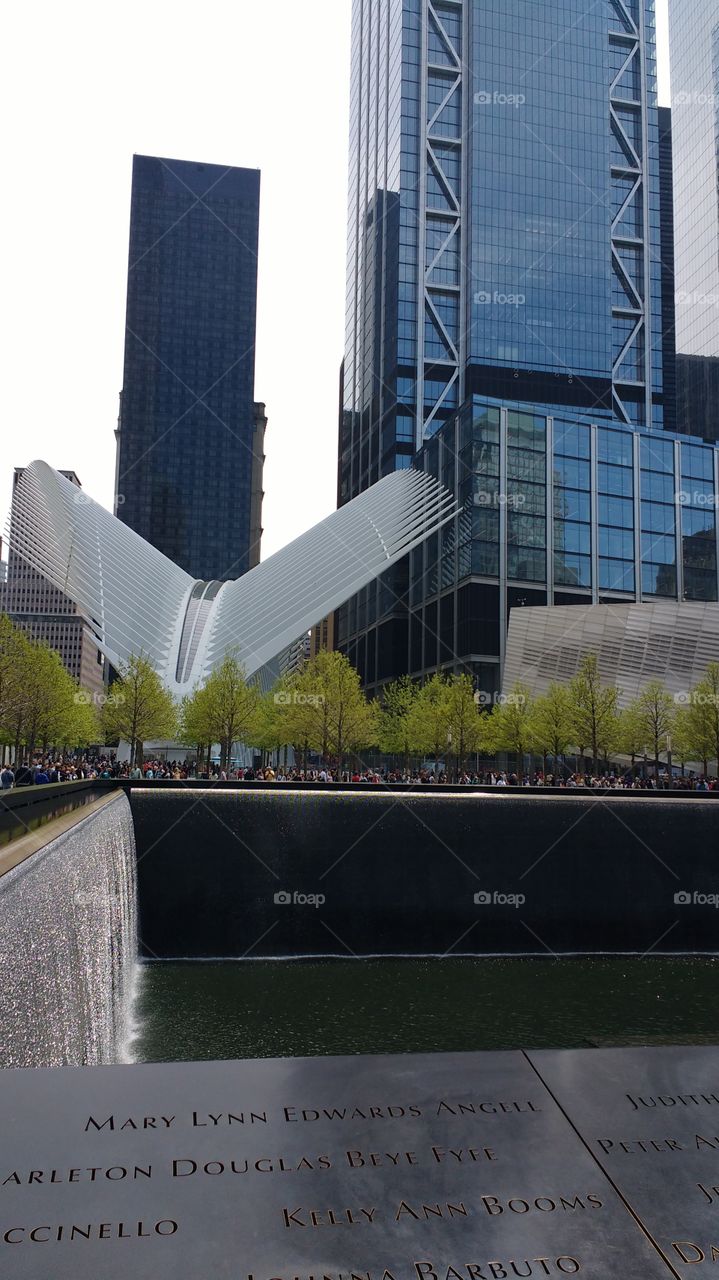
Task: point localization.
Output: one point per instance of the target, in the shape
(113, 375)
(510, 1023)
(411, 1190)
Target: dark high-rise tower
(190, 435)
(504, 299)
(666, 224)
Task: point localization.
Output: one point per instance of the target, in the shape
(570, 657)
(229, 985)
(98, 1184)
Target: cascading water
(68, 943)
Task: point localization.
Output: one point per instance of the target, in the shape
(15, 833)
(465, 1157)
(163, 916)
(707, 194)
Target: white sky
(260, 85)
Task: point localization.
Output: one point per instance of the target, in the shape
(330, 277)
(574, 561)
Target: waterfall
(68, 944)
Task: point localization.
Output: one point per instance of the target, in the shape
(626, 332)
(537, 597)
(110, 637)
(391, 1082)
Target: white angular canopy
(136, 600)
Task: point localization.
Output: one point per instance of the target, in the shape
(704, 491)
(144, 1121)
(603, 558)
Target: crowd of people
(45, 769)
(50, 769)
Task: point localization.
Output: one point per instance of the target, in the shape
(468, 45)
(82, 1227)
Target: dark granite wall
(399, 873)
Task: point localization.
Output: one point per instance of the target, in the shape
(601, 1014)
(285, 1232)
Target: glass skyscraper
(190, 435)
(504, 307)
(694, 44)
(666, 240)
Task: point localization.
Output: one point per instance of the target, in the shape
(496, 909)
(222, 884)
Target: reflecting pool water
(254, 1009)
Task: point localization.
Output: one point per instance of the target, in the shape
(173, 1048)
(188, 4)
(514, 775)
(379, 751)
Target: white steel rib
(136, 600)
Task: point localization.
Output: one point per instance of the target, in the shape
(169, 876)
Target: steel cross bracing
(441, 302)
(630, 224)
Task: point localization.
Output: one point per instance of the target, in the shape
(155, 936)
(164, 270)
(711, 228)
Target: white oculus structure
(136, 600)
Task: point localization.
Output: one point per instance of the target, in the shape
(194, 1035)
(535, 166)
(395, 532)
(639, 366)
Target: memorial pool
(252, 1009)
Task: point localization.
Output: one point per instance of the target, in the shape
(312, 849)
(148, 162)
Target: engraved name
(74, 1232)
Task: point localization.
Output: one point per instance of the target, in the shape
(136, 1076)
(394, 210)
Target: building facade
(662, 640)
(555, 511)
(190, 434)
(694, 48)
(44, 611)
(698, 395)
(666, 241)
(504, 246)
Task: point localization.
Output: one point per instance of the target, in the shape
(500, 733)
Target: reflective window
(656, 454)
(526, 431)
(659, 579)
(569, 536)
(571, 504)
(658, 518)
(529, 498)
(522, 465)
(615, 446)
(616, 511)
(524, 530)
(526, 565)
(572, 570)
(485, 558)
(571, 440)
(616, 543)
(658, 487)
(616, 575)
(616, 480)
(697, 462)
(572, 473)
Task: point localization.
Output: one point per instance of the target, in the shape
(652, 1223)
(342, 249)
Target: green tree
(551, 727)
(654, 710)
(299, 714)
(429, 718)
(139, 706)
(46, 700)
(704, 714)
(683, 742)
(14, 668)
(40, 703)
(467, 727)
(395, 723)
(81, 725)
(195, 726)
(350, 722)
(231, 706)
(511, 724)
(594, 717)
(632, 733)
